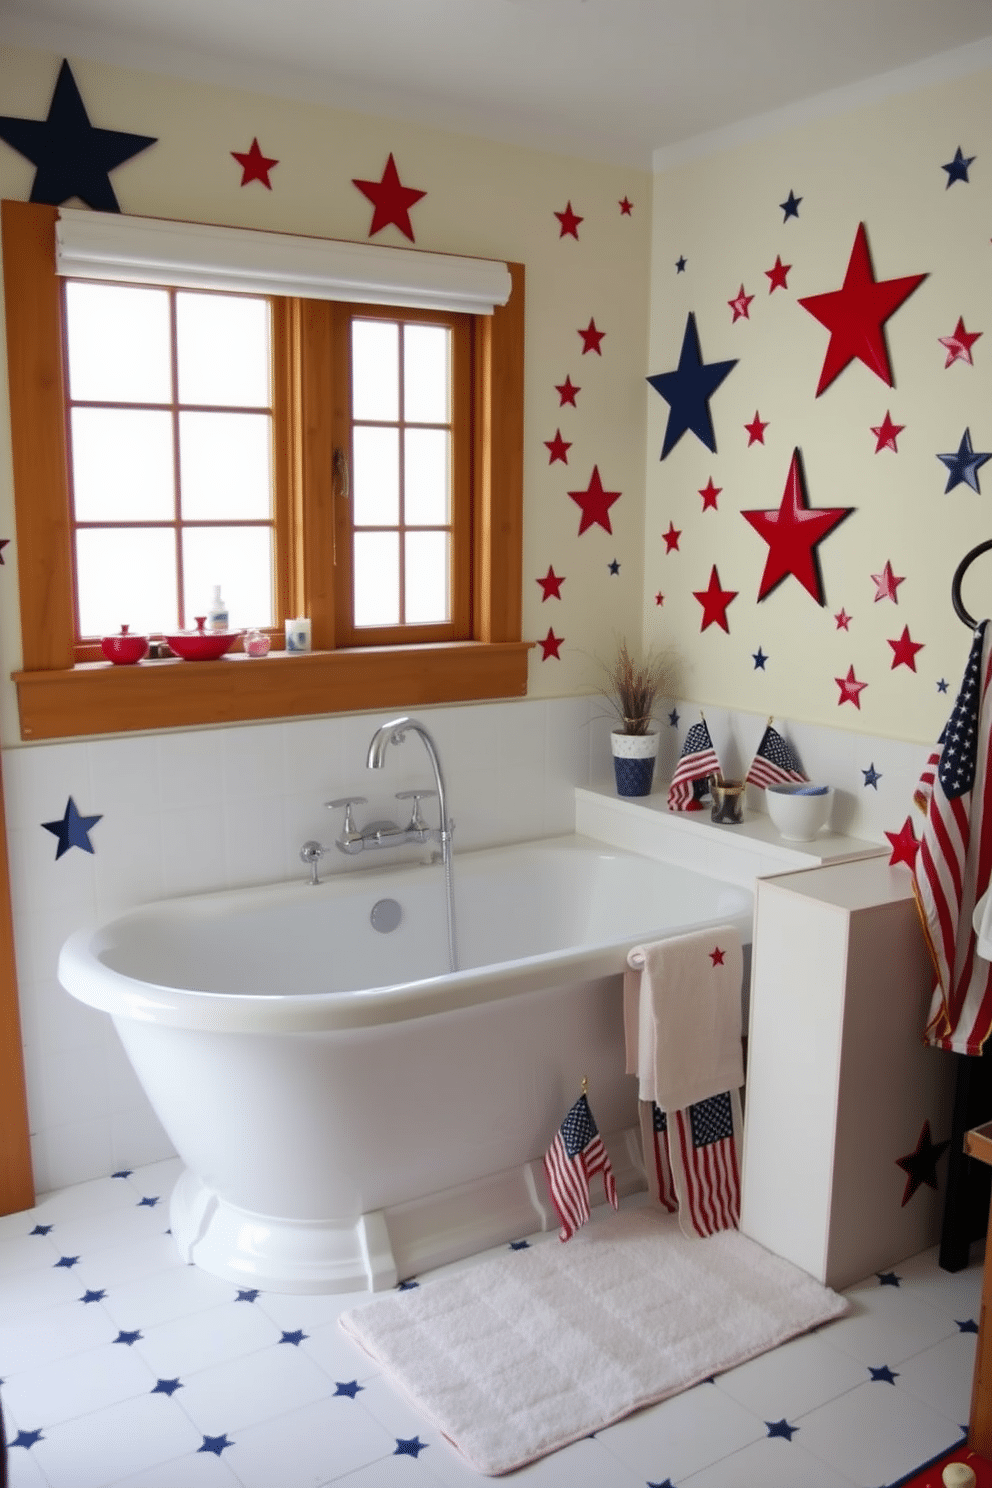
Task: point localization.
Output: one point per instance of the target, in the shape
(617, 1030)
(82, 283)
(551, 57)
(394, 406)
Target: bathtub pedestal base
(380, 1248)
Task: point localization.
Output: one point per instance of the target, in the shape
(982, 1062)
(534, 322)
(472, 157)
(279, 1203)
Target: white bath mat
(520, 1355)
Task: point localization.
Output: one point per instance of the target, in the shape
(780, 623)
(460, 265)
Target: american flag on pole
(696, 763)
(575, 1155)
(774, 763)
(703, 1146)
(654, 1143)
(954, 862)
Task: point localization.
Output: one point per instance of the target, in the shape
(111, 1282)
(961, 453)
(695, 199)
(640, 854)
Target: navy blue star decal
(295, 1338)
(666, 1484)
(122, 1173)
(148, 1203)
(888, 1278)
(247, 1294)
(411, 1447)
(520, 1245)
(883, 1372)
(41, 1230)
(91, 1296)
(72, 831)
(688, 389)
(673, 718)
(407, 1286)
(26, 1439)
(759, 658)
(614, 567)
(920, 1165)
(166, 1387)
(347, 1387)
(680, 263)
(942, 684)
(963, 465)
(790, 207)
(781, 1428)
(872, 776)
(957, 169)
(215, 1444)
(72, 157)
(67, 1261)
(968, 1326)
(124, 1336)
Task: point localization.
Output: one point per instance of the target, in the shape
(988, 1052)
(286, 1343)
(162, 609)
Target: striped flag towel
(575, 1155)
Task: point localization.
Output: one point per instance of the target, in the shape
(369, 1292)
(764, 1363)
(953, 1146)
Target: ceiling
(604, 79)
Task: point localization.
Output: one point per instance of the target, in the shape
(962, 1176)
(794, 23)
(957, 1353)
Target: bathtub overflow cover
(386, 915)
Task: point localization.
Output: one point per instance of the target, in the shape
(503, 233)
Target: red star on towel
(886, 434)
(717, 956)
(714, 601)
(850, 689)
(904, 650)
(591, 339)
(566, 392)
(739, 305)
(886, 583)
(776, 274)
(671, 538)
(595, 503)
(551, 584)
(959, 344)
(559, 448)
(391, 199)
(709, 493)
(756, 430)
(569, 222)
(855, 315)
(551, 645)
(792, 533)
(904, 844)
(254, 165)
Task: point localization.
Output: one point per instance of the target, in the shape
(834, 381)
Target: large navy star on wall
(920, 1166)
(688, 389)
(73, 157)
(72, 830)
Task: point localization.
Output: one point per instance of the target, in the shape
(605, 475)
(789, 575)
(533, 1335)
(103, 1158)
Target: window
(349, 480)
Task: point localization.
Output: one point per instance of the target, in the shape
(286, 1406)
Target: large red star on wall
(551, 645)
(714, 601)
(855, 315)
(254, 165)
(792, 533)
(850, 689)
(559, 448)
(886, 433)
(391, 199)
(904, 650)
(551, 584)
(595, 503)
(567, 392)
(591, 339)
(569, 222)
(904, 844)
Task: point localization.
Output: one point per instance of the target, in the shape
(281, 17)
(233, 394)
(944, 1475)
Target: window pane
(122, 465)
(426, 354)
(224, 355)
(427, 481)
(375, 363)
(376, 477)
(119, 343)
(239, 559)
(427, 578)
(126, 577)
(377, 578)
(225, 464)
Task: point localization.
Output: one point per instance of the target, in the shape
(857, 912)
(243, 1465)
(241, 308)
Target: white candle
(298, 634)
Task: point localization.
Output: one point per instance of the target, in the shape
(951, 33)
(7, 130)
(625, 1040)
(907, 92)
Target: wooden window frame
(58, 699)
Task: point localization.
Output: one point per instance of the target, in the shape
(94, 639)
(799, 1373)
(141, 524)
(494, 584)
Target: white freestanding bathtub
(349, 1111)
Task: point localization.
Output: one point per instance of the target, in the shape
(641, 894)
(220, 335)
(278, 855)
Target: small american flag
(954, 863)
(696, 763)
(661, 1184)
(774, 763)
(575, 1155)
(704, 1161)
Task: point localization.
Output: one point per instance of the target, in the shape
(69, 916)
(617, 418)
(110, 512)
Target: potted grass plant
(634, 687)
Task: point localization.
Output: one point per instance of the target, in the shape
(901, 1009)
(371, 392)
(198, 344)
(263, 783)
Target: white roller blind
(151, 250)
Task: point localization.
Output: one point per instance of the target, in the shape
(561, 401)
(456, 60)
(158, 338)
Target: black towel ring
(959, 574)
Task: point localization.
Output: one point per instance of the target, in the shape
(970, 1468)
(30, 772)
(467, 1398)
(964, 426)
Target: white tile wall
(216, 808)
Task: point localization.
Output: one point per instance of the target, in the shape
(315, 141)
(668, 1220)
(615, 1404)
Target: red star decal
(591, 339)
(855, 315)
(709, 494)
(777, 274)
(959, 344)
(551, 645)
(714, 601)
(904, 650)
(717, 956)
(850, 689)
(551, 584)
(659, 598)
(566, 392)
(886, 434)
(792, 533)
(559, 448)
(569, 222)
(671, 538)
(756, 430)
(626, 206)
(391, 199)
(886, 583)
(904, 844)
(595, 503)
(254, 165)
(843, 620)
(739, 305)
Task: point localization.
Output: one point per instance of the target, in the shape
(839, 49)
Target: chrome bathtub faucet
(355, 839)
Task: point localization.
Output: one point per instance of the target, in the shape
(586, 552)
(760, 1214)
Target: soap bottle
(217, 612)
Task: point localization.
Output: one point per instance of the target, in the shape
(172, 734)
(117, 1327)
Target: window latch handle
(342, 475)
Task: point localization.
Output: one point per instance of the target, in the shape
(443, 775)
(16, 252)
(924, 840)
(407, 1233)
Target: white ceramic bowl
(797, 817)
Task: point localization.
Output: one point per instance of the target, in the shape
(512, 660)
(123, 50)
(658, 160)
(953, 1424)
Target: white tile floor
(119, 1365)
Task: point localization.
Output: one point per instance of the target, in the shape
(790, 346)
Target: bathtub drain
(386, 915)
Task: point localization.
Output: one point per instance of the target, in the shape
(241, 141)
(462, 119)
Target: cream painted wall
(881, 165)
(482, 198)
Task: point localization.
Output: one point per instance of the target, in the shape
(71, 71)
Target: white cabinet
(839, 1082)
